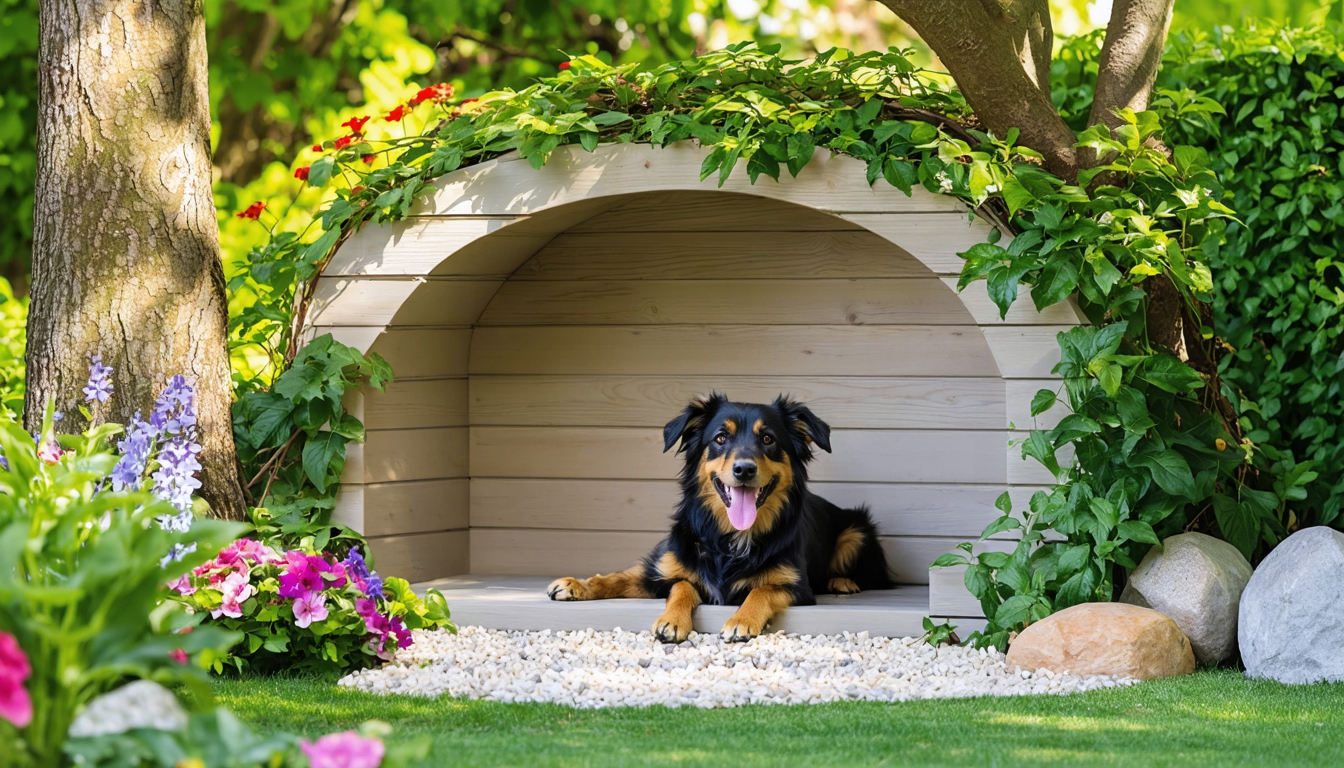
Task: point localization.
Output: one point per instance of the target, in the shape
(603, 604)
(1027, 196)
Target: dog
(747, 531)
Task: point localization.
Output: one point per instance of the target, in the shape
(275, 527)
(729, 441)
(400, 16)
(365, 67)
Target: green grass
(1215, 718)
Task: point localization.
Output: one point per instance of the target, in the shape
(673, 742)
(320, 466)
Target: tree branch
(998, 51)
(1130, 58)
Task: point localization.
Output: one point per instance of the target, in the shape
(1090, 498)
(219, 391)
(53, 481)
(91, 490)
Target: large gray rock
(1291, 626)
(1197, 580)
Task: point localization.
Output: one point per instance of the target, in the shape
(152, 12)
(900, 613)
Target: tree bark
(998, 51)
(126, 259)
(1130, 57)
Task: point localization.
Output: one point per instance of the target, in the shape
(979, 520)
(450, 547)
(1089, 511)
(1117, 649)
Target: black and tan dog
(747, 531)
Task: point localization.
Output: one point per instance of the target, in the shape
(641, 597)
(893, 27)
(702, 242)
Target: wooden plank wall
(523, 433)
(605, 334)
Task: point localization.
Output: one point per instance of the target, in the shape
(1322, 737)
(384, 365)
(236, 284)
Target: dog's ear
(804, 426)
(689, 424)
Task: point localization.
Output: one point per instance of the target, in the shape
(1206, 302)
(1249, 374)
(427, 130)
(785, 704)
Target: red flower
(253, 211)
(355, 124)
(368, 158)
(345, 141)
(302, 173)
(564, 65)
(440, 92)
(317, 147)
(397, 114)
(178, 655)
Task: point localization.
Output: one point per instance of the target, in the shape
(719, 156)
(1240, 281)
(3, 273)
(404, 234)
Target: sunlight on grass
(1064, 723)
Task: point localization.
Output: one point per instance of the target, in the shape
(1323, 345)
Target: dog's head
(746, 457)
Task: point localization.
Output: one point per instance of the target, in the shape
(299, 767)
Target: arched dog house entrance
(545, 324)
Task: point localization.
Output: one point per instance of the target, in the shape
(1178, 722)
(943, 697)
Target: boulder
(141, 704)
(1291, 625)
(1197, 580)
(1105, 639)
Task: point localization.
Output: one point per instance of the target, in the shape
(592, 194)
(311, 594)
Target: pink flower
(50, 451)
(309, 608)
(235, 590)
(343, 750)
(182, 585)
(178, 655)
(15, 704)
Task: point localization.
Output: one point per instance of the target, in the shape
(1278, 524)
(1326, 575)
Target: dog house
(544, 325)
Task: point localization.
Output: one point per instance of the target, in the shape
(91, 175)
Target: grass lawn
(1215, 718)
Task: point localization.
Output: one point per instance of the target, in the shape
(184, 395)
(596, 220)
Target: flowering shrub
(306, 610)
(82, 572)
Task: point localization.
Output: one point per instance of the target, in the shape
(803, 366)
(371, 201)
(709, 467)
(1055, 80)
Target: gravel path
(592, 669)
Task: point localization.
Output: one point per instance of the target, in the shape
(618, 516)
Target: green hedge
(1279, 272)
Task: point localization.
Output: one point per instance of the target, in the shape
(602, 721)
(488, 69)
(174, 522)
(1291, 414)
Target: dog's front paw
(567, 589)
(739, 629)
(842, 586)
(672, 629)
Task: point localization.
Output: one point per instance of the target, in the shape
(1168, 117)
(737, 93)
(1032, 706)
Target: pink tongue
(741, 506)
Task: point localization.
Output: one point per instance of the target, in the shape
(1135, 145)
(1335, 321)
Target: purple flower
(354, 563)
(100, 381)
(343, 750)
(373, 586)
(178, 552)
(16, 705)
(309, 608)
(135, 449)
(175, 410)
(175, 479)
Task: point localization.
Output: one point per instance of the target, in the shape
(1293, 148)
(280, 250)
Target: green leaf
(1080, 588)
(1238, 524)
(1171, 472)
(320, 453)
(1167, 373)
(1072, 427)
(1058, 279)
(1137, 530)
(1013, 611)
(1110, 377)
(1005, 523)
(319, 173)
(1043, 401)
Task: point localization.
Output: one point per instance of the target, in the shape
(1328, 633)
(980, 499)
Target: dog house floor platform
(520, 602)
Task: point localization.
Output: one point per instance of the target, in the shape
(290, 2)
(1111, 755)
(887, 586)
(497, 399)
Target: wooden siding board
(701, 211)
(734, 350)
(435, 353)
(611, 453)
(417, 403)
(651, 401)
(422, 556)
(917, 509)
(416, 507)
(719, 255)
(878, 301)
(415, 454)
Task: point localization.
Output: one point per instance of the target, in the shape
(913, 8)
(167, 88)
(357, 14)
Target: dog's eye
(768, 439)
(720, 438)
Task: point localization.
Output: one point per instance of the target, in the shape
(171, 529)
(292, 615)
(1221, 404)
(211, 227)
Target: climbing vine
(1138, 441)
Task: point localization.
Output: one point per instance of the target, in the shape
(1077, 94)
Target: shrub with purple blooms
(306, 610)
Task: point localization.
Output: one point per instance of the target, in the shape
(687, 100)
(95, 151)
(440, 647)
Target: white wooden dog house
(545, 324)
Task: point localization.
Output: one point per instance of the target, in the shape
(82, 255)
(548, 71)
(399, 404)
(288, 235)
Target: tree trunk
(126, 259)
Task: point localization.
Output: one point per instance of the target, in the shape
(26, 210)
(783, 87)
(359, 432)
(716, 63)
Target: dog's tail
(858, 553)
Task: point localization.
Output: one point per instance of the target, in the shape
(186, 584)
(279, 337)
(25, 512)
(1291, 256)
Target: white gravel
(591, 669)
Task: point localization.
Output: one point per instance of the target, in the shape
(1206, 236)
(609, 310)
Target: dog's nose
(744, 470)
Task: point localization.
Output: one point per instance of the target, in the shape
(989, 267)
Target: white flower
(991, 189)
(944, 183)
